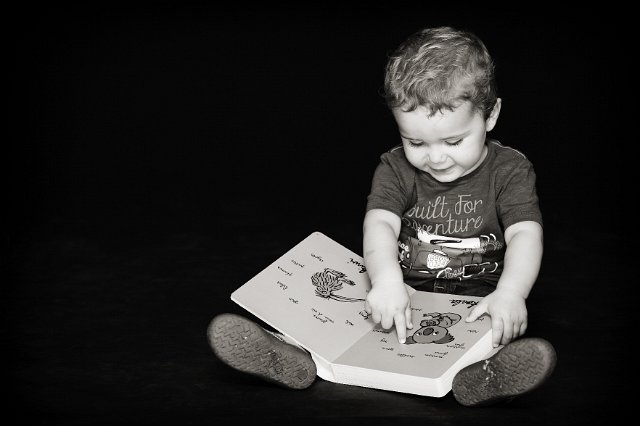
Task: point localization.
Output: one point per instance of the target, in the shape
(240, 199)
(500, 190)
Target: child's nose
(436, 155)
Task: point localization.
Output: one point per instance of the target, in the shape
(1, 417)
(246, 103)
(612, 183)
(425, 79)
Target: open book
(314, 295)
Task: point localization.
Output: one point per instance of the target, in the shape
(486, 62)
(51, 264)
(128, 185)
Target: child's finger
(407, 317)
(523, 328)
(507, 332)
(497, 328)
(367, 307)
(401, 327)
(475, 313)
(387, 321)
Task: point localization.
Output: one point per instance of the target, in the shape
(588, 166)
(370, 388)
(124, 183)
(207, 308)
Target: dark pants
(464, 288)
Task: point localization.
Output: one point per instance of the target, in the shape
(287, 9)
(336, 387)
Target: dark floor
(112, 331)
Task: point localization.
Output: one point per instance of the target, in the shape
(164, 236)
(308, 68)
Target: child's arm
(506, 304)
(388, 301)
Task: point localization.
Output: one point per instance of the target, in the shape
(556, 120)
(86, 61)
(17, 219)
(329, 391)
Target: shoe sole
(516, 369)
(247, 347)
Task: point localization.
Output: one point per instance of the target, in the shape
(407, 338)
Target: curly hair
(440, 68)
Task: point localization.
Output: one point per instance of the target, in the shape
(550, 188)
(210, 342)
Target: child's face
(447, 145)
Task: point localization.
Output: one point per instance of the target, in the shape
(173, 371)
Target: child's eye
(416, 144)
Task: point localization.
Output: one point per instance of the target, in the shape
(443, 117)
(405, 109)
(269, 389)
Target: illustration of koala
(434, 328)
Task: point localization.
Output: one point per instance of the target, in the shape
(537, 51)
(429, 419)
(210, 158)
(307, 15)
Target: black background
(161, 155)
(161, 115)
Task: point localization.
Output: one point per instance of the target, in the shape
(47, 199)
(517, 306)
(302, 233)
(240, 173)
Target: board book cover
(314, 294)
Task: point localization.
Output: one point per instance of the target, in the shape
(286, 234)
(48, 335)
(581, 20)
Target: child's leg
(517, 368)
(247, 347)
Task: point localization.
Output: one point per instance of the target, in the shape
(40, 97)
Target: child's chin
(445, 178)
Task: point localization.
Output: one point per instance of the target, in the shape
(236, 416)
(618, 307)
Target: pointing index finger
(401, 327)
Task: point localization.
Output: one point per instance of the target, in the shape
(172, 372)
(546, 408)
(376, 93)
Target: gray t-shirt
(455, 230)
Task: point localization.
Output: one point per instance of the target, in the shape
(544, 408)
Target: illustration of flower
(328, 282)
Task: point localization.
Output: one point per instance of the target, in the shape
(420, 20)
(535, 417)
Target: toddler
(450, 210)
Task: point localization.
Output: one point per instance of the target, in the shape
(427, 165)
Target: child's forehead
(442, 126)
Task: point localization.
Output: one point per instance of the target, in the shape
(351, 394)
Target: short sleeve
(517, 198)
(392, 183)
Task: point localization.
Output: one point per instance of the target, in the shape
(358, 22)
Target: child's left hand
(508, 313)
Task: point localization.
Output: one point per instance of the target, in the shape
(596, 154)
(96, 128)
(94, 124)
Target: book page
(314, 294)
(439, 338)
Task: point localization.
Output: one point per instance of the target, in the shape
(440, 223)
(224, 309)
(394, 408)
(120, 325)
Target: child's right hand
(388, 305)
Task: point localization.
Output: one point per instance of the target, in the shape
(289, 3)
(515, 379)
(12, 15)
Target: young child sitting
(450, 210)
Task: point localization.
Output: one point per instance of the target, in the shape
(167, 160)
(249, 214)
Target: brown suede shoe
(518, 368)
(244, 345)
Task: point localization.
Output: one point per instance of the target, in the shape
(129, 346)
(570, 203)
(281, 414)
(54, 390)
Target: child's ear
(493, 117)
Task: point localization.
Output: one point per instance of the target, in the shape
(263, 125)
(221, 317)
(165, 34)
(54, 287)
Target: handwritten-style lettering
(363, 269)
(285, 271)
(442, 217)
(456, 302)
(297, 263)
